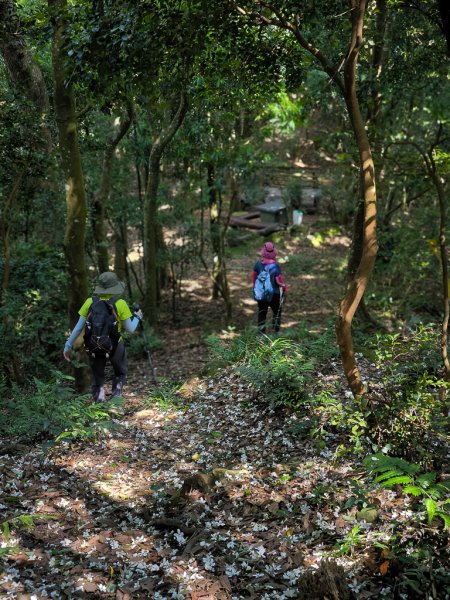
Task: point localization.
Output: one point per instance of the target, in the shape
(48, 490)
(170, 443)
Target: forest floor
(206, 495)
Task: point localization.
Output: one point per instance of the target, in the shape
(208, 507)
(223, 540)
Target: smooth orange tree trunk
(368, 236)
(358, 283)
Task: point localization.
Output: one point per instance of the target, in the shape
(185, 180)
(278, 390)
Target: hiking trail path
(211, 498)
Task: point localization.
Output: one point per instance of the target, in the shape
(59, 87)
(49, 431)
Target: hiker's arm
(254, 276)
(132, 323)
(73, 336)
(281, 283)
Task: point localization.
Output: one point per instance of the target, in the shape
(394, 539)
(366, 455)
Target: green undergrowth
(280, 368)
(141, 342)
(167, 396)
(404, 411)
(50, 411)
(396, 438)
(408, 403)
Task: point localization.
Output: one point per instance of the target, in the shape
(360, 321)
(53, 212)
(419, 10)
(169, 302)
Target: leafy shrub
(277, 368)
(50, 410)
(410, 410)
(393, 471)
(293, 191)
(137, 345)
(407, 283)
(33, 315)
(237, 349)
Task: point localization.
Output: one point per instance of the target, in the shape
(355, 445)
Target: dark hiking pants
(120, 366)
(263, 307)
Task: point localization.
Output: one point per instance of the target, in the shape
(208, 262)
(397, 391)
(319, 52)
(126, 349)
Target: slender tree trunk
(444, 9)
(219, 271)
(214, 231)
(358, 284)
(74, 238)
(120, 248)
(380, 51)
(102, 195)
(444, 262)
(439, 186)
(369, 247)
(151, 213)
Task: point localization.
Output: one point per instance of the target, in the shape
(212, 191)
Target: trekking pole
(146, 346)
(279, 307)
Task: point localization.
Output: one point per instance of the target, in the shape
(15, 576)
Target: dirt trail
(109, 520)
(315, 279)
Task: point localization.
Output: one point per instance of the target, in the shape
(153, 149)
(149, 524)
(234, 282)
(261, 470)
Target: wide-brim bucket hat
(109, 284)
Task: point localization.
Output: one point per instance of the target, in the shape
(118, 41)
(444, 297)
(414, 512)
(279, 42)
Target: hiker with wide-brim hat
(105, 309)
(267, 263)
(108, 284)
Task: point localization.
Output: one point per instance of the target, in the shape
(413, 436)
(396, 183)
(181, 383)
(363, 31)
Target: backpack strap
(271, 275)
(95, 299)
(112, 300)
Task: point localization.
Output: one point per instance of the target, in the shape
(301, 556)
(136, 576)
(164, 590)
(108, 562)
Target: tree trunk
(444, 10)
(444, 261)
(379, 54)
(5, 227)
(219, 271)
(151, 213)
(430, 166)
(21, 66)
(120, 248)
(102, 195)
(369, 247)
(74, 238)
(358, 284)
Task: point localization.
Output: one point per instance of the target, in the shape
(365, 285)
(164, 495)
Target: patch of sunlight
(249, 302)
(191, 387)
(135, 253)
(317, 312)
(192, 285)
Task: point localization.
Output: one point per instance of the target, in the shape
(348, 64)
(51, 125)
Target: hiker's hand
(67, 354)
(138, 314)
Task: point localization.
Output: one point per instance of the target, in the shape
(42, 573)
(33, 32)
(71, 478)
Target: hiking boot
(99, 395)
(117, 390)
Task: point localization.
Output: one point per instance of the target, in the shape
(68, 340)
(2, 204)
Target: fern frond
(414, 490)
(402, 480)
(434, 492)
(379, 463)
(388, 475)
(445, 517)
(432, 509)
(426, 479)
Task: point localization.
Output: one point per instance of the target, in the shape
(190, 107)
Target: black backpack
(101, 334)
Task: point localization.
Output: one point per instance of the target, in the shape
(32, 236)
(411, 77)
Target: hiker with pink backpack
(269, 288)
